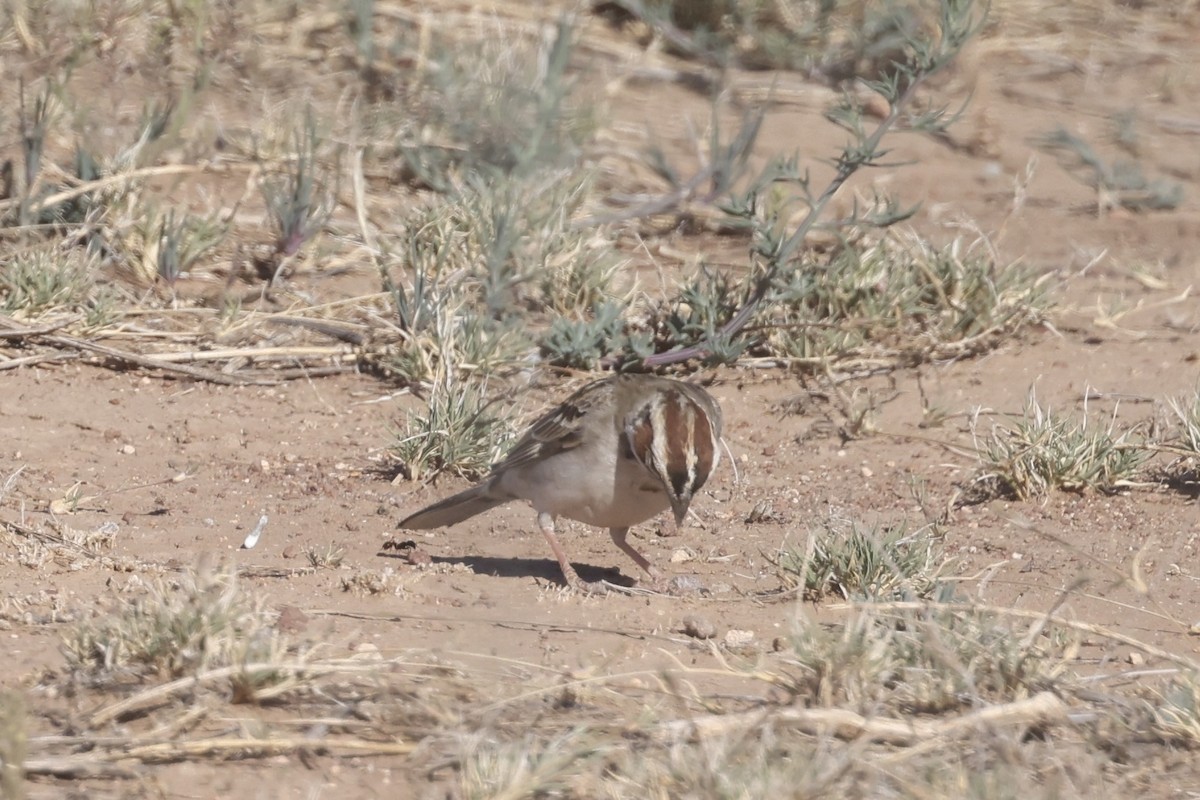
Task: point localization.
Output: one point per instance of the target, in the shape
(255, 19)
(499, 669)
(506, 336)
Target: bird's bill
(680, 506)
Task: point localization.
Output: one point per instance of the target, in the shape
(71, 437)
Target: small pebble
(291, 620)
(699, 627)
(684, 584)
(738, 638)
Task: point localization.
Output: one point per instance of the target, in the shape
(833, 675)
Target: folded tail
(454, 509)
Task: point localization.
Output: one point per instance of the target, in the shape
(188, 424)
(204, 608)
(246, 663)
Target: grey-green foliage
(1124, 180)
(897, 293)
(510, 242)
(444, 330)
(301, 196)
(696, 313)
(776, 240)
(582, 343)
(14, 743)
(855, 561)
(836, 39)
(183, 239)
(492, 105)
(40, 280)
(946, 657)
(184, 627)
(1043, 451)
(1175, 709)
(459, 432)
(497, 266)
(504, 245)
(1186, 425)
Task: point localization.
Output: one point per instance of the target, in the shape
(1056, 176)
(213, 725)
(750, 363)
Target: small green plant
(41, 280)
(492, 107)
(1175, 709)
(838, 41)
(443, 330)
(899, 293)
(359, 26)
(193, 623)
(529, 767)
(328, 557)
(457, 433)
(849, 560)
(766, 204)
(704, 303)
(182, 241)
(1043, 451)
(510, 241)
(104, 307)
(582, 343)
(1186, 429)
(932, 661)
(301, 196)
(35, 128)
(751, 765)
(486, 265)
(163, 245)
(1121, 182)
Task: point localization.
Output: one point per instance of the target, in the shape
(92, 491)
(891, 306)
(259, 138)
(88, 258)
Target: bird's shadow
(544, 568)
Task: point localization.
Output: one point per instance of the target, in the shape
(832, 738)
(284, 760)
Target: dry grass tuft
(183, 626)
(1044, 451)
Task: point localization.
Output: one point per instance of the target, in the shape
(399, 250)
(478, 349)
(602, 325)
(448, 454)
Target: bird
(617, 452)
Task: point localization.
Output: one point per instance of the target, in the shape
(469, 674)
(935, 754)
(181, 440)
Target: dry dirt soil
(309, 455)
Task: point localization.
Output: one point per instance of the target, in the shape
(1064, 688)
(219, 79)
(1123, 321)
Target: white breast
(600, 488)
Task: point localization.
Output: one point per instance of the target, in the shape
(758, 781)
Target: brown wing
(557, 430)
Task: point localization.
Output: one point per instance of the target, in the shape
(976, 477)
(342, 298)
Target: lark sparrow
(617, 452)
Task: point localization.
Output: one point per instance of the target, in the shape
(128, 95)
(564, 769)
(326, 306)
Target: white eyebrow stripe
(687, 410)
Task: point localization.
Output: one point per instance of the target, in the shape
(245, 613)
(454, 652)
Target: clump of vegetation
(164, 244)
(182, 627)
(836, 41)
(14, 744)
(495, 269)
(898, 298)
(852, 561)
(497, 107)
(928, 661)
(1185, 427)
(1121, 182)
(34, 282)
(529, 767)
(301, 194)
(1044, 451)
(1174, 709)
(458, 433)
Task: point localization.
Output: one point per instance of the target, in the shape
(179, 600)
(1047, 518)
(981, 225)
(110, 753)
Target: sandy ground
(309, 455)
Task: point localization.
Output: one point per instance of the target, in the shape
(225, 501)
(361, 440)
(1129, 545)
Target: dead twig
(125, 357)
(1042, 709)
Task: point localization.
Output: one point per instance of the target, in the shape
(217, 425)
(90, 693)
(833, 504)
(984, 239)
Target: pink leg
(546, 523)
(618, 536)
